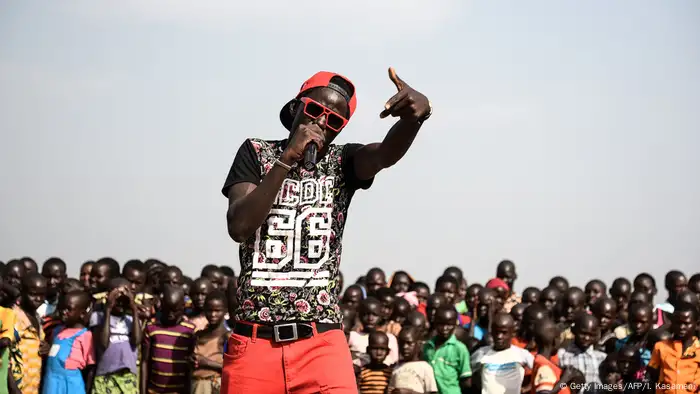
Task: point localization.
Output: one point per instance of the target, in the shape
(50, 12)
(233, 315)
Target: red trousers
(320, 364)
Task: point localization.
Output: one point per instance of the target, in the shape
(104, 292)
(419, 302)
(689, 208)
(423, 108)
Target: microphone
(310, 156)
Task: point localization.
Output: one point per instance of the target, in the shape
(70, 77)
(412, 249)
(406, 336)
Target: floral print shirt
(289, 266)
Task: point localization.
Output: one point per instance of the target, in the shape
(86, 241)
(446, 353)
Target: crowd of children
(144, 327)
(473, 338)
(140, 328)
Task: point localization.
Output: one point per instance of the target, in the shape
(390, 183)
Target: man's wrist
(286, 161)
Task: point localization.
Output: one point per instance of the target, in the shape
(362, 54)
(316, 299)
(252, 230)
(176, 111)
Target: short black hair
(228, 271)
(417, 285)
(32, 278)
(599, 283)
(671, 277)
(117, 282)
(645, 276)
(375, 270)
(83, 296)
(151, 262)
(367, 301)
(112, 265)
(446, 279)
(136, 265)
(686, 307)
(452, 271)
(55, 261)
(620, 283)
(582, 318)
(209, 269)
(217, 295)
(638, 306)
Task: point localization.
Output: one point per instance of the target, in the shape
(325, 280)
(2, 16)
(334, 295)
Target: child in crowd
(500, 368)
(86, 273)
(620, 293)
(167, 345)
(677, 360)
(29, 337)
(401, 282)
(485, 307)
(54, 270)
(374, 377)
(352, 296)
(401, 310)
(573, 303)
(605, 309)
(103, 270)
(200, 291)
(215, 275)
(640, 322)
(448, 356)
(134, 271)
(70, 360)
(387, 298)
(531, 295)
(581, 354)
(208, 352)
(595, 289)
(370, 319)
(50, 322)
(117, 331)
(412, 374)
(546, 373)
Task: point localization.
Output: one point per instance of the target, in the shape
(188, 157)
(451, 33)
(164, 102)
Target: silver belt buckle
(276, 332)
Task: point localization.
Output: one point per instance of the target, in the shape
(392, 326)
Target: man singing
(289, 222)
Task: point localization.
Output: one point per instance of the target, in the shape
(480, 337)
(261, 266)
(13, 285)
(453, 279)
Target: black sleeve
(348, 163)
(245, 167)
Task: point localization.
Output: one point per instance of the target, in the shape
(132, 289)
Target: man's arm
(413, 108)
(145, 362)
(249, 204)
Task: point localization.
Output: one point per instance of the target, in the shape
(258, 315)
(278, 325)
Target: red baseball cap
(326, 79)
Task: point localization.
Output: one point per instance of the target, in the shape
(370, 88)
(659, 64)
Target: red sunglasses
(314, 110)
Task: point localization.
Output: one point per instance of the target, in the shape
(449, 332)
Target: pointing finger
(388, 107)
(400, 84)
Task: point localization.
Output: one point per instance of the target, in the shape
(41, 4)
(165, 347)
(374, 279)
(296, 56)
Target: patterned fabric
(26, 363)
(7, 324)
(170, 350)
(117, 383)
(374, 380)
(289, 267)
(587, 361)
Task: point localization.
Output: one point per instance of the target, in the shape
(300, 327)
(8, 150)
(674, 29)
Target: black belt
(285, 332)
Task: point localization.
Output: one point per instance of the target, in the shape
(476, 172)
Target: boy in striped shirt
(374, 377)
(167, 346)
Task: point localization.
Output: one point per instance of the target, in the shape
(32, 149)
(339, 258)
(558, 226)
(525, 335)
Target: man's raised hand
(408, 103)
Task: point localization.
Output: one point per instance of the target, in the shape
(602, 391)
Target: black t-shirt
(246, 167)
(289, 267)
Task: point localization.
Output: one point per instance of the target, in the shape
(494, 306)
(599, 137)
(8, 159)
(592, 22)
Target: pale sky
(564, 134)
